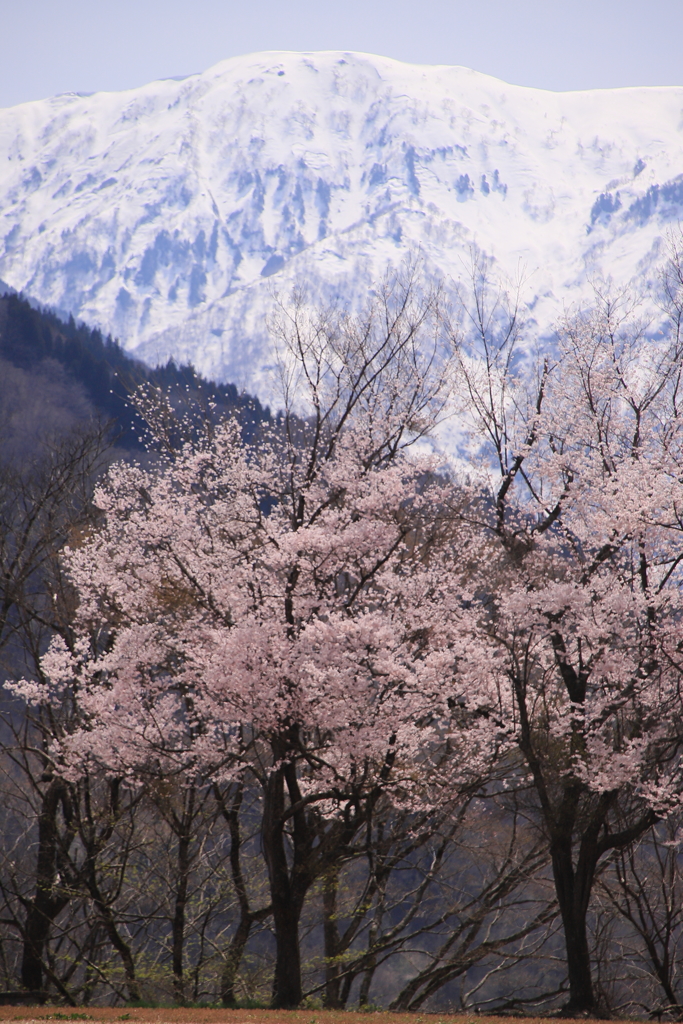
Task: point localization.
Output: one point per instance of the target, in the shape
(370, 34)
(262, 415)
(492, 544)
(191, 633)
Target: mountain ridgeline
(175, 215)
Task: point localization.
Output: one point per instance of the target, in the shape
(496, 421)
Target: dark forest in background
(55, 374)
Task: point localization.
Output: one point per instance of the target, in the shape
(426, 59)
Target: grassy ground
(59, 1015)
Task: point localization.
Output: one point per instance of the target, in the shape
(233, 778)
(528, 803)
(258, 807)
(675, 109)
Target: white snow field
(172, 215)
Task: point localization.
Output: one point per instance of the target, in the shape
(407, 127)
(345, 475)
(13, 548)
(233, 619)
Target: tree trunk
(46, 904)
(373, 933)
(294, 858)
(123, 949)
(233, 959)
(287, 904)
(287, 990)
(248, 917)
(112, 932)
(39, 917)
(571, 896)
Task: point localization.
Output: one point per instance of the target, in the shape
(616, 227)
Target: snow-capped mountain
(172, 214)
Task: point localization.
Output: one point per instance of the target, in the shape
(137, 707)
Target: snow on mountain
(172, 214)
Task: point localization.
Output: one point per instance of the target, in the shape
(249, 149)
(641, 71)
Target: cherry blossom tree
(576, 629)
(278, 612)
(322, 615)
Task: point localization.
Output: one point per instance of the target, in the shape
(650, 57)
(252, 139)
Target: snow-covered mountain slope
(170, 215)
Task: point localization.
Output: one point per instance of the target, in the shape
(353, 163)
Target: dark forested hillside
(54, 374)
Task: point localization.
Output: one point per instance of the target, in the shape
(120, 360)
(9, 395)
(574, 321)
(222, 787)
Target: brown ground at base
(177, 1015)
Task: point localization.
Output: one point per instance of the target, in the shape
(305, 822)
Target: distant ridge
(171, 215)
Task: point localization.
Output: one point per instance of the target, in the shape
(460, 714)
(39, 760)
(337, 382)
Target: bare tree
(642, 896)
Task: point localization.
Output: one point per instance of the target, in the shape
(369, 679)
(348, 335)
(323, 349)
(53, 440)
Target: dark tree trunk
(297, 849)
(233, 960)
(248, 917)
(46, 903)
(286, 898)
(110, 927)
(39, 918)
(121, 947)
(112, 932)
(94, 839)
(573, 885)
(581, 995)
(287, 990)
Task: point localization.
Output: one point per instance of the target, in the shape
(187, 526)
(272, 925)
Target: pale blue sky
(52, 46)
